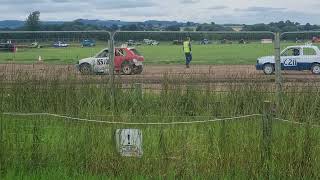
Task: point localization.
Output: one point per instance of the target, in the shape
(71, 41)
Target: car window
(309, 52)
(120, 52)
(292, 52)
(103, 54)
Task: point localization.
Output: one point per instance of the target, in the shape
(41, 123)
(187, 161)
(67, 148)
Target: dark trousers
(188, 58)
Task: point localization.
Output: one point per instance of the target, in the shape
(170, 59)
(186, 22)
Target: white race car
(304, 57)
(126, 60)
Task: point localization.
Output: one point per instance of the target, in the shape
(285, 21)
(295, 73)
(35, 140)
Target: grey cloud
(19, 2)
(260, 9)
(124, 4)
(249, 17)
(217, 7)
(72, 6)
(61, 1)
(135, 10)
(74, 1)
(149, 13)
(105, 4)
(190, 1)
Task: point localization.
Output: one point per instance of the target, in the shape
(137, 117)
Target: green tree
(33, 21)
(173, 28)
(114, 27)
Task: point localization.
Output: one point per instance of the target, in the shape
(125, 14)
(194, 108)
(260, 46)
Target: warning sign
(129, 142)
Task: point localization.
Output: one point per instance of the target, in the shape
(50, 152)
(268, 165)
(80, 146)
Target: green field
(163, 54)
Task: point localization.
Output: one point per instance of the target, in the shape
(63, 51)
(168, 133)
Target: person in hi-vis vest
(187, 51)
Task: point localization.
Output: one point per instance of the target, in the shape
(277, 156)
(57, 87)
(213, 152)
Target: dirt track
(155, 73)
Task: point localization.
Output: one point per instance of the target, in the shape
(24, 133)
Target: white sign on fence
(129, 142)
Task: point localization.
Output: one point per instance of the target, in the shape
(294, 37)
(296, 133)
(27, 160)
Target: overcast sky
(219, 11)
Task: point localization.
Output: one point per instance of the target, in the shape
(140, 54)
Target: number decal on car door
(290, 62)
(102, 62)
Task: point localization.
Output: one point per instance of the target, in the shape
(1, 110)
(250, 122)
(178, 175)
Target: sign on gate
(129, 142)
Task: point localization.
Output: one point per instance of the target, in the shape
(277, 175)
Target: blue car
(88, 43)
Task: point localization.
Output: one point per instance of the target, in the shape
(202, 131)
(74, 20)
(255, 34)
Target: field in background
(165, 53)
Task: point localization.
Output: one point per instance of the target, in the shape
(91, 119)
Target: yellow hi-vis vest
(186, 47)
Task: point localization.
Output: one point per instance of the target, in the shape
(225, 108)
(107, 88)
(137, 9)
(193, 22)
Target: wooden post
(266, 138)
(222, 134)
(2, 165)
(111, 69)
(278, 68)
(35, 144)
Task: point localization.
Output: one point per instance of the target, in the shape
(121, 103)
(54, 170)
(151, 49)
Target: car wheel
(127, 69)
(85, 69)
(315, 69)
(268, 69)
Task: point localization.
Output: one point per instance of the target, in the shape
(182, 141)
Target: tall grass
(50, 147)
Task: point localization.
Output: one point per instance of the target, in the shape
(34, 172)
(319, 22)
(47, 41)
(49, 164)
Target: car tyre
(127, 69)
(268, 69)
(85, 69)
(315, 69)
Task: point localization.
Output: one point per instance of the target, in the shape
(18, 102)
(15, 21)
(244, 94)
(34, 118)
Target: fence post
(111, 69)
(35, 145)
(278, 68)
(266, 138)
(1, 145)
(138, 90)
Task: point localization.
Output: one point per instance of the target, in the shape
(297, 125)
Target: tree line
(33, 23)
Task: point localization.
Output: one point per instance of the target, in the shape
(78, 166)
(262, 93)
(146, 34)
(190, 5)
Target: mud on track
(204, 77)
(154, 73)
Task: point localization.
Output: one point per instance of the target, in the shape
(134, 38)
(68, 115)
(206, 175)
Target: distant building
(234, 27)
(266, 41)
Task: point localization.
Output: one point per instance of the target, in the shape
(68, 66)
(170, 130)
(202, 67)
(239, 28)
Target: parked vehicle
(7, 47)
(304, 57)
(242, 41)
(147, 41)
(130, 43)
(154, 43)
(88, 43)
(315, 39)
(133, 43)
(205, 42)
(60, 44)
(35, 45)
(126, 60)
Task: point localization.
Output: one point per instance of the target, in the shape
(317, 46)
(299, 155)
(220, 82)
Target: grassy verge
(50, 147)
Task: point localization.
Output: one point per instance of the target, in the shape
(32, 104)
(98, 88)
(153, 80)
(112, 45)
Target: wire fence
(64, 117)
(44, 140)
(206, 119)
(131, 123)
(217, 56)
